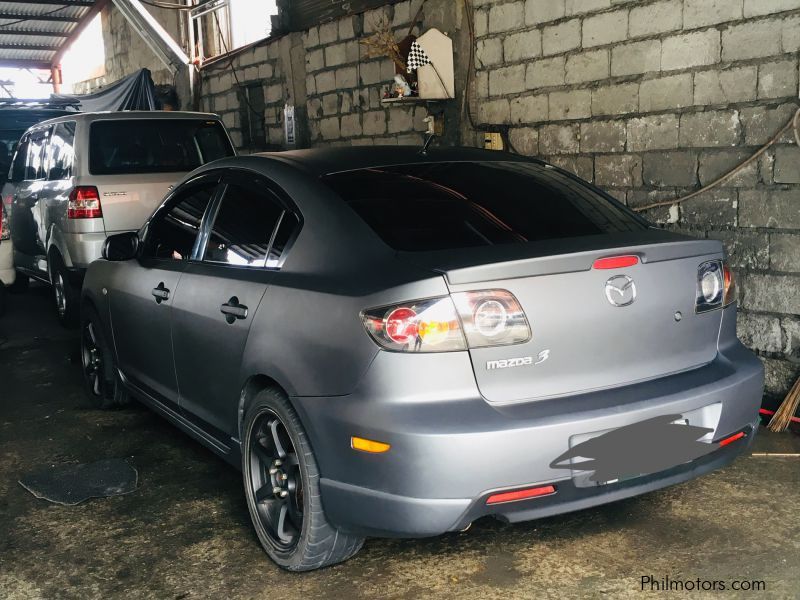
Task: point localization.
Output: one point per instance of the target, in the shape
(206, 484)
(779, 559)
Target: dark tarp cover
(134, 92)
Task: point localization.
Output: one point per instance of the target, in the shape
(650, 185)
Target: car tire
(21, 283)
(100, 378)
(65, 294)
(291, 527)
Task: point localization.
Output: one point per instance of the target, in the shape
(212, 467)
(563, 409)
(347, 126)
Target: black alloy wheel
(282, 488)
(275, 481)
(92, 361)
(100, 379)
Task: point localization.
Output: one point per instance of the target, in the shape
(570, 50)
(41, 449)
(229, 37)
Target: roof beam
(39, 47)
(23, 17)
(22, 32)
(77, 30)
(21, 63)
(64, 3)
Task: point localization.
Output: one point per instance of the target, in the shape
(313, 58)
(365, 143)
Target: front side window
(243, 228)
(61, 151)
(172, 233)
(118, 147)
(443, 206)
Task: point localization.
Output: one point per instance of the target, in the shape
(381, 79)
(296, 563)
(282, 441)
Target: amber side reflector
(615, 262)
(730, 439)
(544, 490)
(365, 445)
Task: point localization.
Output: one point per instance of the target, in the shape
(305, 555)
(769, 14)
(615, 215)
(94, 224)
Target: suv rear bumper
(83, 248)
(450, 449)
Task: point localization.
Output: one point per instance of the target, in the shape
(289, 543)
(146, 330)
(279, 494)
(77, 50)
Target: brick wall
(651, 100)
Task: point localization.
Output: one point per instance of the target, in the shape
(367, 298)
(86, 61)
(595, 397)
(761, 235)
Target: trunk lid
(580, 339)
(128, 201)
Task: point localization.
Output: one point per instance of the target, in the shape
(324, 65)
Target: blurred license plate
(705, 416)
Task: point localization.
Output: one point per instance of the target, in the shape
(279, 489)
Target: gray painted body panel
(456, 433)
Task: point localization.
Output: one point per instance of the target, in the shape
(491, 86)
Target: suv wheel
(65, 294)
(281, 482)
(100, 378)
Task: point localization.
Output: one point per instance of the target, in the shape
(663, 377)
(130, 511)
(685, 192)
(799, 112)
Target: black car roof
(334, 159)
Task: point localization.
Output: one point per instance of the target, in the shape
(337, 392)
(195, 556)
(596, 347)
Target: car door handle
(233, 310)
(160, 293)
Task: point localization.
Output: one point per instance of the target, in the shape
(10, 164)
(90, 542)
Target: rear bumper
(83, 248)
(451, 449)
(379, 514)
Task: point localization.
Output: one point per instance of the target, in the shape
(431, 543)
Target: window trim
(169, 202)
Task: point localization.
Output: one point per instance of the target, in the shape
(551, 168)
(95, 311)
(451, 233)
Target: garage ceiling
(34, 34)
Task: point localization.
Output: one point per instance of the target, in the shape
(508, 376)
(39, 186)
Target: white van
(77, 179)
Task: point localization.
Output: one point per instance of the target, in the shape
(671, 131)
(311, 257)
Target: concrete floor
(185, 532)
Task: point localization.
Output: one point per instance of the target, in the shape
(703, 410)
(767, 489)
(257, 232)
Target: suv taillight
(447, 323)
(84, 203)
(715, 286)
(5, 234)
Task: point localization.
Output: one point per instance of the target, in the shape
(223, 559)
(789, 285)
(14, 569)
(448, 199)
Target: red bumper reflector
(731, 438)
(544, 490)
(615, 262)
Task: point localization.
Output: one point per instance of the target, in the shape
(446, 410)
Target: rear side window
(440, 206)
(35, 161)
(61, 151)
(172, 233)
(155, 145)
(17, 172)
(243, 228)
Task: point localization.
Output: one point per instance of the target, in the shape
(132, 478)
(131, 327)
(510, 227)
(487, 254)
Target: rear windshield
(440, 206)
(155, 145)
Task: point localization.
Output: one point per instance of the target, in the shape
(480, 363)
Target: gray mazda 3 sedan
(390, 342)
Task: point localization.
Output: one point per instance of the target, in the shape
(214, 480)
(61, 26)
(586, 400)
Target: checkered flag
(416, 57)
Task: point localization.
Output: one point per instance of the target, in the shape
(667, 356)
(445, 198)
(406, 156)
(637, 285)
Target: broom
(783, 416)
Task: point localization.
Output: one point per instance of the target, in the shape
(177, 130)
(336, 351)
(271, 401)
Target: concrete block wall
(344, 87)
(126, 52)
(652, 99)
(325, 74)
(220, 84)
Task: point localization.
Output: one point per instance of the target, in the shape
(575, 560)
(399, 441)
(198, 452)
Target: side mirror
(121, 246)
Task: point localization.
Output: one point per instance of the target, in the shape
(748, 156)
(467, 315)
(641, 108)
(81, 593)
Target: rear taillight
(492, 318)
(729, 284)
(5, 233)
(84, 203)
(449, 323)
(715, 286)
(419, 326)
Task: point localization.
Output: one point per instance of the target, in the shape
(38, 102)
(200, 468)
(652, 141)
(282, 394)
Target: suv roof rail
(38, 104)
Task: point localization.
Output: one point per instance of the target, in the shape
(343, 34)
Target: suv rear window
(155, 145)
(440, 206)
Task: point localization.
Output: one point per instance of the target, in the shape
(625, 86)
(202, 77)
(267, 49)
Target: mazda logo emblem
(620, 290)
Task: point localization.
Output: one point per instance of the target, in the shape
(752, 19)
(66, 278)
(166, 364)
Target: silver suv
(77, 179)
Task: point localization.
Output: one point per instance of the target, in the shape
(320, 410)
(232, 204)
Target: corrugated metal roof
(34, 34)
